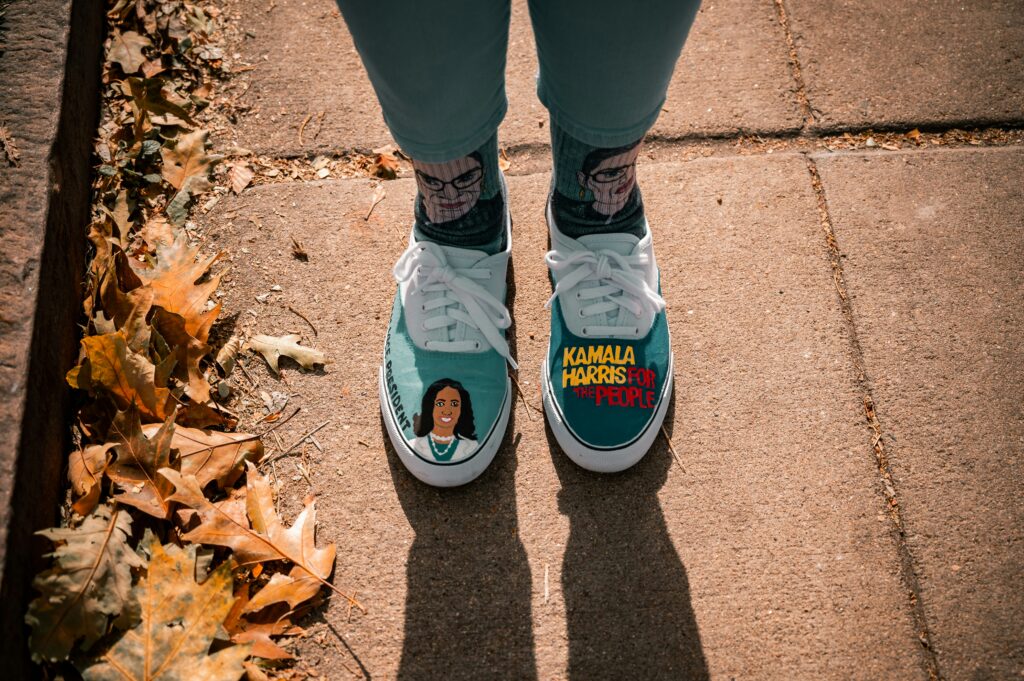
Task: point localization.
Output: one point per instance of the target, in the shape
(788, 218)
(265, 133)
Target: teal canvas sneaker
(608, 373)
(445, 391)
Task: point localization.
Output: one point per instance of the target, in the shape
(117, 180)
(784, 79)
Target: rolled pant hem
(597, 137)
(442, 152)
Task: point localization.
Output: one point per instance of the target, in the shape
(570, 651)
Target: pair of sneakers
(445, 391)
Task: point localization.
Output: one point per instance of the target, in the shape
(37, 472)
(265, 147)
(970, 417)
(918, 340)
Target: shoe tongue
(619, 242)
(462, 258)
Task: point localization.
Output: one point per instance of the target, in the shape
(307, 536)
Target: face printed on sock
(609, 178)
(450, 190)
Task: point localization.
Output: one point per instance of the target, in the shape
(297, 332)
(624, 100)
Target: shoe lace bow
(458, 299)
(619, 286)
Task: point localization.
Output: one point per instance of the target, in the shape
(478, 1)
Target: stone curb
(50, 58)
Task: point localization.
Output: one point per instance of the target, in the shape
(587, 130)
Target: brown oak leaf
(126, 50)
(138, 462)
(259, 633)
(174, 278)
(90, 581)
(210, 455)
(265, 538)
(179, 620)
(187, 163)
(127, 377)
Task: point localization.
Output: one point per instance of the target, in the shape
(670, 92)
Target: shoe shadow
(627, 597)
(467, 607)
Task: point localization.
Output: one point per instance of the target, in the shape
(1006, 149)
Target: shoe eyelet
(585, 332)
(476, 345)
(581, 313)
(423, 307)
(423, 326)
(579, 296)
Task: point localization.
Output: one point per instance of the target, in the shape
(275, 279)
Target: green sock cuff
(459, 203)
(595, 188)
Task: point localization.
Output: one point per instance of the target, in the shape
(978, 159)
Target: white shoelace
(619, 286)
(462, 300)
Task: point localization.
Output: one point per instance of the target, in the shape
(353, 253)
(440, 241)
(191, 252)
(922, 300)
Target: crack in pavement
(794, 65)
(909, 569)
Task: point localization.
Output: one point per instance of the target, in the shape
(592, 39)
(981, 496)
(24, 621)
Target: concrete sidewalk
(845, 500)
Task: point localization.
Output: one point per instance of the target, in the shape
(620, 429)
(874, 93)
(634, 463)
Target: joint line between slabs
(909, 569)
(794, 65)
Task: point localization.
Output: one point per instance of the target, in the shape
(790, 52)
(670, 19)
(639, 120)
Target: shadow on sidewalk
(467, 607)
(627, 598)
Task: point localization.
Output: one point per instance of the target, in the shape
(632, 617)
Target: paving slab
(933, 252)
(764, 552)
(734, 74)
(873, 63)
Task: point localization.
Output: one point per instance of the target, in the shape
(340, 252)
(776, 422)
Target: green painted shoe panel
(445, 404)
(607, 389)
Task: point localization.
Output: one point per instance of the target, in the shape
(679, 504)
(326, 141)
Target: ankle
(594, 188)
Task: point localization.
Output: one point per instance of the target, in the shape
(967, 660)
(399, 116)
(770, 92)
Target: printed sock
(459, 202)
(595, 190)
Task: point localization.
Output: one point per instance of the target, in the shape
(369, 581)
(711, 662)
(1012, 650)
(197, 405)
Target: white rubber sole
(604, 460)
(448, 474)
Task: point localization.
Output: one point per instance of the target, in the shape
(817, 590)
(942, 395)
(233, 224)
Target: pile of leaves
(172, 560)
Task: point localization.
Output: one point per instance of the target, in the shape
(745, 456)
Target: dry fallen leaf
(210, 455)
(239, 176)
(244, 630)
(126, 50)
(90, 581)
(228, 355)
(85, 471)
(273, 347)
(385, 165)
(124, 375)
(179, 620)
(265, 539)
(138, 461)
(187, 162)
(174, 278)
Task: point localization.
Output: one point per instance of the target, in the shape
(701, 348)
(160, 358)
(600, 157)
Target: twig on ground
(522, 396)
(303, 126)
(305, 319)
(247, 374)
(286, 452)
(671, 448)
(378, 196)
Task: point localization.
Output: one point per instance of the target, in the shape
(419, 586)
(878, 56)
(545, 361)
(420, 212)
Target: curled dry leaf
(243, 630)
(138, 461)
(228, 355)
(239, 177)
(179, 620)
(273, 347)
(125, 376)
(90, 581)
(126, 50)
(265, 538)
(210, 455)
(85, 471)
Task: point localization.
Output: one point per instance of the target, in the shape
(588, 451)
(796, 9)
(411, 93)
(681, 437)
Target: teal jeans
(438, 66)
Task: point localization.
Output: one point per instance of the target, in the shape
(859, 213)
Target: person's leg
(604, 70)
(437, 67)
